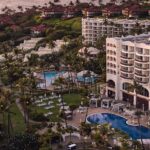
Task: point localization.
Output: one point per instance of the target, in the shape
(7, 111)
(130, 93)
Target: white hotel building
(94, 28)
(128, 59)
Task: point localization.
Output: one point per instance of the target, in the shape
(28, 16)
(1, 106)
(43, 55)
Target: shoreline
(13, 4)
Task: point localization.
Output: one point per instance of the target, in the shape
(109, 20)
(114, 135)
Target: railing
(141, 74)
(140, 66)
(126, 76)
(126, 56)
(126, 63)
(141, 80)
(126, 70)
(141, 59)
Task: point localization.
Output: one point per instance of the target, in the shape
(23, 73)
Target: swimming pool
(50, 77)
(118, 122)
(86, 80)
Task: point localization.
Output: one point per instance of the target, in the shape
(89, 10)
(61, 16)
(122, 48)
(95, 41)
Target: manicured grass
(74, 23)
(17, 119)
(72, 99)
(54, 117)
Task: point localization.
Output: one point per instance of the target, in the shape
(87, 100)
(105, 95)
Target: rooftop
(142, 38)
(119, 21)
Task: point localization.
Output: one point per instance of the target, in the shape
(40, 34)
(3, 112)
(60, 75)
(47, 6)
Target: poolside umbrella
(82, 73)
(52, 67)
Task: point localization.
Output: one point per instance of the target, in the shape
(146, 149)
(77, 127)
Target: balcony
(130, 50)
(142, 59)
(126, 76)
(137, 73)
(127, 63)
(141, 66)
(126, 70)
(141, 80)
(126, 55)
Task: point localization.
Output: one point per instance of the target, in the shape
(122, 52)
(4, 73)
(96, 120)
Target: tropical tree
(137, 29)
(137, 88)
(5, 103)
(85, 129)
(24, 142)
(51, 45)
(101, 43)
(60, 82)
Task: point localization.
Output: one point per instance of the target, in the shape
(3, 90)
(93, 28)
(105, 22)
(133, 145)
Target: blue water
(117, 122)
(87, 79)
(50, 77)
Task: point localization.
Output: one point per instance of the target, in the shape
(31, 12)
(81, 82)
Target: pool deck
(79, 117)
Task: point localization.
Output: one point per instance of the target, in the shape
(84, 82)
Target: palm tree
(136, 87)
(85, 129)
(66, 39)
(3, 106)
(51, 45)
(70, 131)
(5, 103)
(61, 82)
(23, 85)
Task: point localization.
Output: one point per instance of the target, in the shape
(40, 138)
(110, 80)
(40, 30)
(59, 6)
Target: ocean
(13, 4)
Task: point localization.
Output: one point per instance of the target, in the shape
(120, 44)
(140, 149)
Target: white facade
(93, 28)
(29, 44)
(88, 53)
(128, 60)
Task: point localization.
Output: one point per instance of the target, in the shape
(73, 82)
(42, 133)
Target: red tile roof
(6, 20)
(93, 9)
(39, 28)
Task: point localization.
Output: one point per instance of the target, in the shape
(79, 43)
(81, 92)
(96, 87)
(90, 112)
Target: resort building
(111, 10)
(53, 11)
(91, 11)
(128, 62)
(94, 28)
(134, 10)
(88, 53)
(47, 50)
(29, 44)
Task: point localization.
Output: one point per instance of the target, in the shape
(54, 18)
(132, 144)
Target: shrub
(39, 117)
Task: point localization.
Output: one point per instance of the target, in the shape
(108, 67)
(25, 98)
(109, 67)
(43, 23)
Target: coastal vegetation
(24, 124)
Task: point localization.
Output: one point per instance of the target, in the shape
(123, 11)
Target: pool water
(86, 80)
(50, 77)
(118, 122)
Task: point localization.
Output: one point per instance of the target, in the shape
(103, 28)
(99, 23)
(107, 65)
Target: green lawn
(72, 99)
(16, 119)
(54, 117)
(74, 23)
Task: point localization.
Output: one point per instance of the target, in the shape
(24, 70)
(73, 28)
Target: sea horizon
(13, 4)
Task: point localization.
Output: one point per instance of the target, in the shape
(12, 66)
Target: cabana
(95, 100)
(118, 107)
(106, 103)
(82, 73)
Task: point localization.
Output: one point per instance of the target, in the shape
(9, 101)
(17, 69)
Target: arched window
(127, 86)
(143, 91)
(111, 83)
